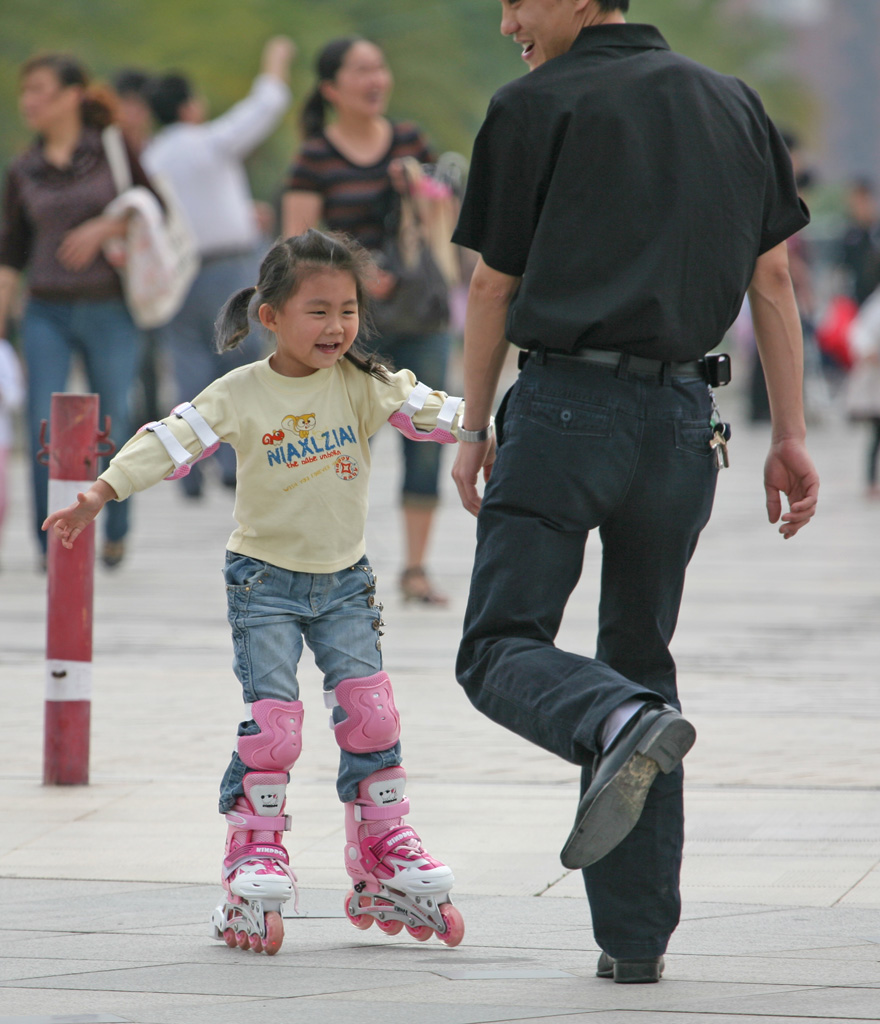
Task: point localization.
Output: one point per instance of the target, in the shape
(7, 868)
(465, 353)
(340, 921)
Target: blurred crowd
(145, 153)
(65, 302)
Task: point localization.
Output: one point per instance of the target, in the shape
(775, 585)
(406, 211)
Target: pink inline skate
(256, 871)
(397, 882)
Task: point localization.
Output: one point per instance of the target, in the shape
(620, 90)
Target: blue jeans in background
(272, 612)
(583, 447)
(104, 335)
(189, 339)
(427, 356)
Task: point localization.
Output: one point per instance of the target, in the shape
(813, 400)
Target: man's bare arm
(789, 468)
(485, 347)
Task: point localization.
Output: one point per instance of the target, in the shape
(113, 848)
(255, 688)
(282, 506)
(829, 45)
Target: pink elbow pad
(403, 418)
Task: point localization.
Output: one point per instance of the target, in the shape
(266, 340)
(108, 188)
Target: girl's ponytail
(314, 115)
(98, 107)
(233, 323)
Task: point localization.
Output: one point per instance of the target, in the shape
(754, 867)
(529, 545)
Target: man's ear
(267, 317)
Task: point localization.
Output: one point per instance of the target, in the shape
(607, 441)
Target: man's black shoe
(630, 972)
(653, 740)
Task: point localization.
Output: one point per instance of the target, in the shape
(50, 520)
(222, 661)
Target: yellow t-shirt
(303, 461)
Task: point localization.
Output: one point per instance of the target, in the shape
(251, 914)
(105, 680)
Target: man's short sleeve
(785, 213)
(503, 199)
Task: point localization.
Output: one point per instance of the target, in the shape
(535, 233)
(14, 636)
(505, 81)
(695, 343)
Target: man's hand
(278, 54)
(68, 523)
(470, 458)
(789, 470)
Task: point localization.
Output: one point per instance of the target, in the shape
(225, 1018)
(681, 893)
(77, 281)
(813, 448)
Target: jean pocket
(566, 416)
(241, 572)
(693, 436)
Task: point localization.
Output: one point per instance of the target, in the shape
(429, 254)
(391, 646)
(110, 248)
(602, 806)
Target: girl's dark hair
(283, 270)
(614, 5)
(97, 108)
(330, 60)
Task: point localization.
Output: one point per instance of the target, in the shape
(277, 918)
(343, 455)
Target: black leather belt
(634, 364)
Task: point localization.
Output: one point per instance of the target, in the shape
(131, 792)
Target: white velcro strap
(188, 412)
(176, 452)
(416, 401)
(330, 700)
(447, 413)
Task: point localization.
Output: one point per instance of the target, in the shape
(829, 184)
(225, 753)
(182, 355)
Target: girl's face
(316, 326)
(45, 102)
(362, 84)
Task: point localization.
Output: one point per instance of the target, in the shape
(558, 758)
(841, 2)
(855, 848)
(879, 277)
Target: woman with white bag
(55, 228)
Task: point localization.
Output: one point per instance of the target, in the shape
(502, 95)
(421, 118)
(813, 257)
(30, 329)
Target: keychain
(720, 435)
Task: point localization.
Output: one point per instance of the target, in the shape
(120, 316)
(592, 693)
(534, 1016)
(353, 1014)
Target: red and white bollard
(73, 452)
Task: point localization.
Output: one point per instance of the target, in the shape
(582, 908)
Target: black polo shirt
(632, 190)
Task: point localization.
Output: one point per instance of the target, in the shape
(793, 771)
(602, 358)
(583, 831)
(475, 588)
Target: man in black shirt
(623, 201)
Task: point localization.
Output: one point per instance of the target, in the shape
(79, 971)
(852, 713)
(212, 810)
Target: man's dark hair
(614, 5)
(167, 95)
(132, 82)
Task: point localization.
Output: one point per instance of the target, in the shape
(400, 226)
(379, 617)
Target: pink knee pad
(279, 742)
(373, 722)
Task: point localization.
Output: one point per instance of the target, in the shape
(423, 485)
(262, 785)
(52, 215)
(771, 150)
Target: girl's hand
(81, 246)
(68, 523)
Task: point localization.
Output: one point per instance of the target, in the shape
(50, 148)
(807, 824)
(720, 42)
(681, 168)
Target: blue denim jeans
(427, 356)
(584, 447)
(189, 339)
(109, 344)
(272, 612)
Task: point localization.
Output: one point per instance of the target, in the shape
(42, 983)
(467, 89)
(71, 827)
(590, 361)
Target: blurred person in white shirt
(203, 162)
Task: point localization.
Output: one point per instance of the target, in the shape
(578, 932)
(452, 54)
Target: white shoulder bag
(158, 258)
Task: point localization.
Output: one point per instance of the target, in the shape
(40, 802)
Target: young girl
(296, 572)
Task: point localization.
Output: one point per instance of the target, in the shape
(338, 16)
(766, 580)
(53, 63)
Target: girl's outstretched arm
(70, 522)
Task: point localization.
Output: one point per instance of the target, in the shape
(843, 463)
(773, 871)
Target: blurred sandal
(415, 586)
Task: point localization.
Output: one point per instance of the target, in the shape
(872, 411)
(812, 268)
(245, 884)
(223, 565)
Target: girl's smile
(316, 326)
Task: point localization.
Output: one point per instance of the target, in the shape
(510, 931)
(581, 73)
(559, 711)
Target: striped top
(357, 199)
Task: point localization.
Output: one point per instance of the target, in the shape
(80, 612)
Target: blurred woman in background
(344, 177)
(54, 228)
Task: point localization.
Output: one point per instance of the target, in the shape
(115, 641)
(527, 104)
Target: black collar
(618, 36)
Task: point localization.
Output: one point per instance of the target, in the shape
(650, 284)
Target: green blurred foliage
(447, 57)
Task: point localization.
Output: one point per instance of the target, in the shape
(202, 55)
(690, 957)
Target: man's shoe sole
(630, 972)
(614, 811)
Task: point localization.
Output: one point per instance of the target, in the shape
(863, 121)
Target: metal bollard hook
(42, 455)
(103, 438)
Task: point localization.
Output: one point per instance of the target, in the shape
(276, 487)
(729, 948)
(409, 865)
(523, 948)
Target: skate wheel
(361, 921)
(256, 943)
(229, 938)
(274, 933)
(422, 933)
(390, 927)
(454, 925)
(241, 940)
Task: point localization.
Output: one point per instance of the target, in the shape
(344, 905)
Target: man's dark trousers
(582, 447)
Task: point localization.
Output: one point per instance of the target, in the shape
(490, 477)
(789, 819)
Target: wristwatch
(475, 435)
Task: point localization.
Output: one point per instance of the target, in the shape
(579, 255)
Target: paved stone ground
(107, 889)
